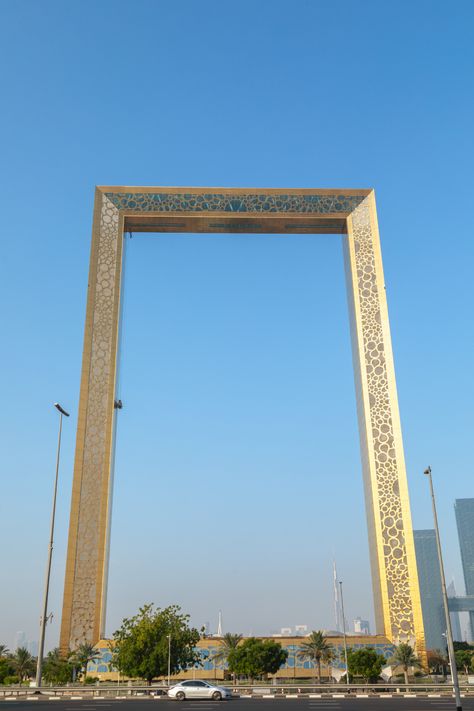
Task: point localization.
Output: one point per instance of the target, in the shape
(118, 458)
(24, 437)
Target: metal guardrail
(279, 690)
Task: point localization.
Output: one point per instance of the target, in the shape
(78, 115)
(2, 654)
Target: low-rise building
(296, 666)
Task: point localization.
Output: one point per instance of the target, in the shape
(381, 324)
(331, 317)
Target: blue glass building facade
(429, 578)
(464, 510)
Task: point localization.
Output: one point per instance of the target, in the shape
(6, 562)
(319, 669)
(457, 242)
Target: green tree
(57, 669)
(229, 642)
(6, 669)
(464, 660)
(81, 657)
(405, 658)
(140, 646)
(365, 662)
(255, 658)
(317, 649)
(23, 663)
(463, 645)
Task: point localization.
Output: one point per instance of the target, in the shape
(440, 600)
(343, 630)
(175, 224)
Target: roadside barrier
(159, 692)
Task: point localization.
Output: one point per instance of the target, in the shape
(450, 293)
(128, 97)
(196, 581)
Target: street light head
(427, 471)
(60, 409)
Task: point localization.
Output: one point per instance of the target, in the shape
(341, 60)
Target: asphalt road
(254, 704)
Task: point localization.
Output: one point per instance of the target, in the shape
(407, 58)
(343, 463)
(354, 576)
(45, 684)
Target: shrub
(9, 680)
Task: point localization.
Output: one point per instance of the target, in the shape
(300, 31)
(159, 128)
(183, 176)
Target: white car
(197, 689)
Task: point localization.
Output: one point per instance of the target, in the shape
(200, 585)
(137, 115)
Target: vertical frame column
(392, 552)
(85, 587)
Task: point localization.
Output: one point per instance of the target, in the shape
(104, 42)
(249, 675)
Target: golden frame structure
(351, 213)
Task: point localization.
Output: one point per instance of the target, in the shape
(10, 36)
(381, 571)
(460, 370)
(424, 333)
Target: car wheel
(217, 696)
(180, 696)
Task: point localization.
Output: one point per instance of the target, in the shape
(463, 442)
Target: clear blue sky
(238, 474)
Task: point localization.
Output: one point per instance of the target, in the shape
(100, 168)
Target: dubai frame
(351, 213)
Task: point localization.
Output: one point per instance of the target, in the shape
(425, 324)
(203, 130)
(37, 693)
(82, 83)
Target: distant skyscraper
(32, 647)
(219, 625)
(20, 640)
(429, 577)
(361, 626)
(464, 510)
(455, 621)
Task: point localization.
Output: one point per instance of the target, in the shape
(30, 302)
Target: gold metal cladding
(87, 557)
(394, 574)
(247, 210)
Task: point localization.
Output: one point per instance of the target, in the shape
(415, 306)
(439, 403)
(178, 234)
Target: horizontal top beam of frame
(244, 210)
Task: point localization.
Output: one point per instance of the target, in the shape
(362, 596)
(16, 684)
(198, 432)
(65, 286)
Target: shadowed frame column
(85, 587)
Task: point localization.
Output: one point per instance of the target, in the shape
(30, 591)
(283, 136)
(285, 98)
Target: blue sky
(237, 473)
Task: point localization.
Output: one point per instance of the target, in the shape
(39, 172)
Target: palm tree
(57, 669)
(317, 650)
(81, 657)
(23, 663)
(405, 658)
(3, 650)
(229, 642)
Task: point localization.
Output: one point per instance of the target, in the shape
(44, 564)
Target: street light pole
(45, 616)
(169, 659)
(449, 634)
(344, 634)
